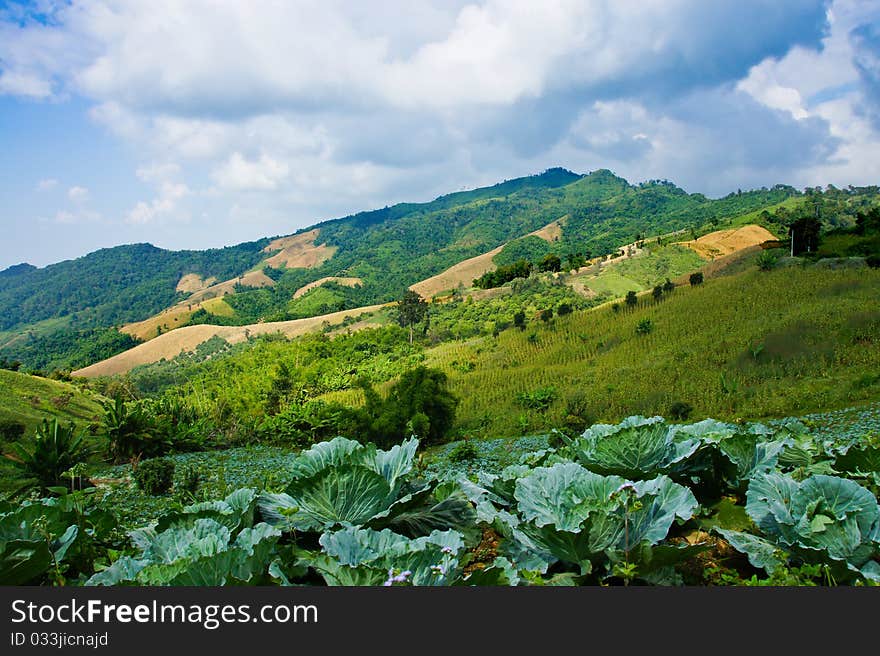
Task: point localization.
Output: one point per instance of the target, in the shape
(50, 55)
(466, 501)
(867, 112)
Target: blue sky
(193, 124)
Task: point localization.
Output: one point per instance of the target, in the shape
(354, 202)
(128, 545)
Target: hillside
(755, 345)
(29, 399)
(47, 313)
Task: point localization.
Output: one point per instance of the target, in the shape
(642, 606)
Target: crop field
(757, 345)
(641, 502)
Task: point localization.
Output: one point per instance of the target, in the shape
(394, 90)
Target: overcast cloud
(191, 123)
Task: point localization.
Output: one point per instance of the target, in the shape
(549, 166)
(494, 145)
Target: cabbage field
(642, 502)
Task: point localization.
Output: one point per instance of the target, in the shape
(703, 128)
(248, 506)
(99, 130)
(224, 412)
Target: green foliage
(10, 430)
(539, 399)
(696, 278)
(419, 403)
(411, 310)
(53, 541)
(463, 451)
(823, 520)
(644, 326)
(154, 476)
(56, 449)
(766, 261)
(68, 349)
(114, 285)
(504, 274)
(680, 410)
(529, 248)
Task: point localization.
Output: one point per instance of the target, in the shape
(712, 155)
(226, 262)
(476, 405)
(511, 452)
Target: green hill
(29, 399)
(52, 317)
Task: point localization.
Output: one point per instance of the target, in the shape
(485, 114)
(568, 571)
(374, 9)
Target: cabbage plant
(567, 514)
(637, 448)
(215, 543)
(822, 520)
(343, 482)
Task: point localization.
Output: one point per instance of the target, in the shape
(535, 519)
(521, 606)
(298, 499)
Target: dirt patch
(251, 279)
(299, 251)
(462, 273)
(345, 282)
(166, 320)
(169, 345)
(550, 232)
(193, 282)
(725, 242)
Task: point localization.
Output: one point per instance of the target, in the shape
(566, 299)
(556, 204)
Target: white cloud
(78, 194)
(295, 112)
(240, 174)
(164, 205)
(47, 184)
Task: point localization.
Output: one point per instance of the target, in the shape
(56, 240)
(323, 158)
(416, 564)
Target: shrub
(564, 308)
(577, 414)
(644, 327)
(190, 481)
(11, 431)
(680, 410)
(539, 399)
(154, 476)
(463, 451)
(766, 261)
(420, 404)
(631, 298)
(546, 315)
(696, 278)
(56, 449)
(873, 261)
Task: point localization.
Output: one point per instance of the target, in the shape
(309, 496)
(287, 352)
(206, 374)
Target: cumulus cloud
(164, 205)
(78, 194)
(304, 110)
(241, 174)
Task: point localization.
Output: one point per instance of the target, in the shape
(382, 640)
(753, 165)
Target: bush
(680, 410)
(577, 413)
(463, 451)
(539, 399)
(766, 261)
(644, 327)
(56, 449)
(11, 431)
(564, 308)
(420, 404)
(696, 278)
(873, 261)
(190, 481)
(154, 476)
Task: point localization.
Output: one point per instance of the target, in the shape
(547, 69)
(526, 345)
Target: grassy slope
(820, 330)
(28, 399)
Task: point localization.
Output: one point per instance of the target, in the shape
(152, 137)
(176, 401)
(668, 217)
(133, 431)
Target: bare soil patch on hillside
(725, 242)
(299, 251)
(169, 345)
(345, 282)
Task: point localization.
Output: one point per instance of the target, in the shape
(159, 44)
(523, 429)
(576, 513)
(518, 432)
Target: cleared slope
(465, 271)
(170, 345)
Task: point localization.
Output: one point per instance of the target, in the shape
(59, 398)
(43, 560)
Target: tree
(519, 320)
(546, 315)
(657, 292)
(420, 404)
(696, 278)
(411, 309)
(563, 309)
(631, 299)
(550, 262)
(668, 286)
(804, 234)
